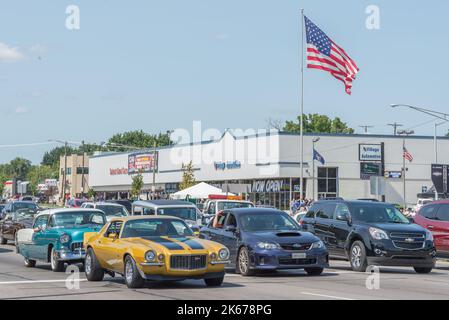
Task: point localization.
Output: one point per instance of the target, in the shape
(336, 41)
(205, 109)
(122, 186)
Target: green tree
(37, 174)
(51, 158)
(317, 123)
(3, 179)
(90, 193)
(138, 139)
(136, 185)
(20, 167)
(188, 177)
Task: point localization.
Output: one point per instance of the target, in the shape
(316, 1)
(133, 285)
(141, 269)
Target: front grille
(408, 241)
(77, 246)
(289, 261)
(188, 262)
(296, 246)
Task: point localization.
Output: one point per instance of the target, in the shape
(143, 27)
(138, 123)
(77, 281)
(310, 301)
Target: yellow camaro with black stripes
(152, 248)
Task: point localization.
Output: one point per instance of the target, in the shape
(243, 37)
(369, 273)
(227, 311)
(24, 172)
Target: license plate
(298, 255)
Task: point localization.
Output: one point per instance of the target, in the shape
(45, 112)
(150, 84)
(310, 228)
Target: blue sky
(159, 65)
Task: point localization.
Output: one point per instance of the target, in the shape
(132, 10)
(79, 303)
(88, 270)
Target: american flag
(324, 54)
(407, 155)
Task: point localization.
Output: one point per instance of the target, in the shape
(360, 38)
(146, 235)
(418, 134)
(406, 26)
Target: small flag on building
(324, 54)
(318, 157)
(407, 155)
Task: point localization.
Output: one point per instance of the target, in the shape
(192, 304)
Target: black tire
(214, 282)
(2, 239)
(56, 266)
(132, 276)
(92, 267)
(357, 257)
(314, 271)
(422, 270)
(243, 263)
(29, 263)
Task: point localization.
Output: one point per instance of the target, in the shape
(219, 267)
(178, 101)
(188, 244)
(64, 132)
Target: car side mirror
(411, 220)
(231, 228)
(343, 217)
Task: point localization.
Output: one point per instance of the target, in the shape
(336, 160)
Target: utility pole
(64, 175)
(82, 173)
(395, 127)
(366, 128)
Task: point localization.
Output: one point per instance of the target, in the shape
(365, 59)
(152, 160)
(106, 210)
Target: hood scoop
(288, 234)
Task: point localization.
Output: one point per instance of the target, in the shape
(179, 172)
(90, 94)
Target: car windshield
(186, 213)
(376, 214)
(113, 211)
(81, 218)
(156, 228)
(24, 214)
(267, 221)
(232, 205)
(24, 205)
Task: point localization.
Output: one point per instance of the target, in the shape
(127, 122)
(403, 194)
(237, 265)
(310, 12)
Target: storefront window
(327, 182)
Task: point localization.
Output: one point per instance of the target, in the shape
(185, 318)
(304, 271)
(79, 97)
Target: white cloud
(21, 110)
(9, 54)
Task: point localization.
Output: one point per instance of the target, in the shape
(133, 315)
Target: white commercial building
(266, 167)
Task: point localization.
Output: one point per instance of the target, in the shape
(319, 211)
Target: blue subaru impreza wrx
(266, 239)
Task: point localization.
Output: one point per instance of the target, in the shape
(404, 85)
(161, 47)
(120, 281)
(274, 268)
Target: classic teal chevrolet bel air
(57, 236)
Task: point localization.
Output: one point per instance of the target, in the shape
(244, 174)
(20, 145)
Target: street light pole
(436, 114)
(314, 141)
(82, 172)
(404, 133)
(153, 187)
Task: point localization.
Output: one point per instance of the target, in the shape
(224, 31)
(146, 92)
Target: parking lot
(336, 283)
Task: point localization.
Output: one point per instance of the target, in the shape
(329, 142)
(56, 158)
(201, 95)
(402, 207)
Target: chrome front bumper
(68, 255)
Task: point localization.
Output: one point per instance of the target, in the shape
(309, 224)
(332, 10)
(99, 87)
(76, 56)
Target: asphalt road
(337, 282)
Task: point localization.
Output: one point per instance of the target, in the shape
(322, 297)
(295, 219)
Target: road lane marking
(325, 296)
(38, 281)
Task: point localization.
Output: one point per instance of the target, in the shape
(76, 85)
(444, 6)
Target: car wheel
(2, 239)
(214, 282)
(92, 267)
(243, 263)
(357, 257)
(56, 266)
(422, 270)
(314, 271)
(132, 277)
(29, 263)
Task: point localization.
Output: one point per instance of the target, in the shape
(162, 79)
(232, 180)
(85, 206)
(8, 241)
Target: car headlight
(429, 236)
(64, 238)
(378, 234)
(150, 256)
(223, 254)
(268, 245)
(317, 245)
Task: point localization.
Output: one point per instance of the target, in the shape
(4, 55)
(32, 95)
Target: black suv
(370, 233)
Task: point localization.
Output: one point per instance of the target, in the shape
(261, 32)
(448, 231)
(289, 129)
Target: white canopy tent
(201, 190)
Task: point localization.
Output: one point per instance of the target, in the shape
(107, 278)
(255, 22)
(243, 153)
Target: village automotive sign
(370, 152)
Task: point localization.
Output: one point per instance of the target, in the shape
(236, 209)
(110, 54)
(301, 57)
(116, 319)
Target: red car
(435, 217)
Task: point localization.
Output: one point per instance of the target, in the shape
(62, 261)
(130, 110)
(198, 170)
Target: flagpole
(301, 125)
